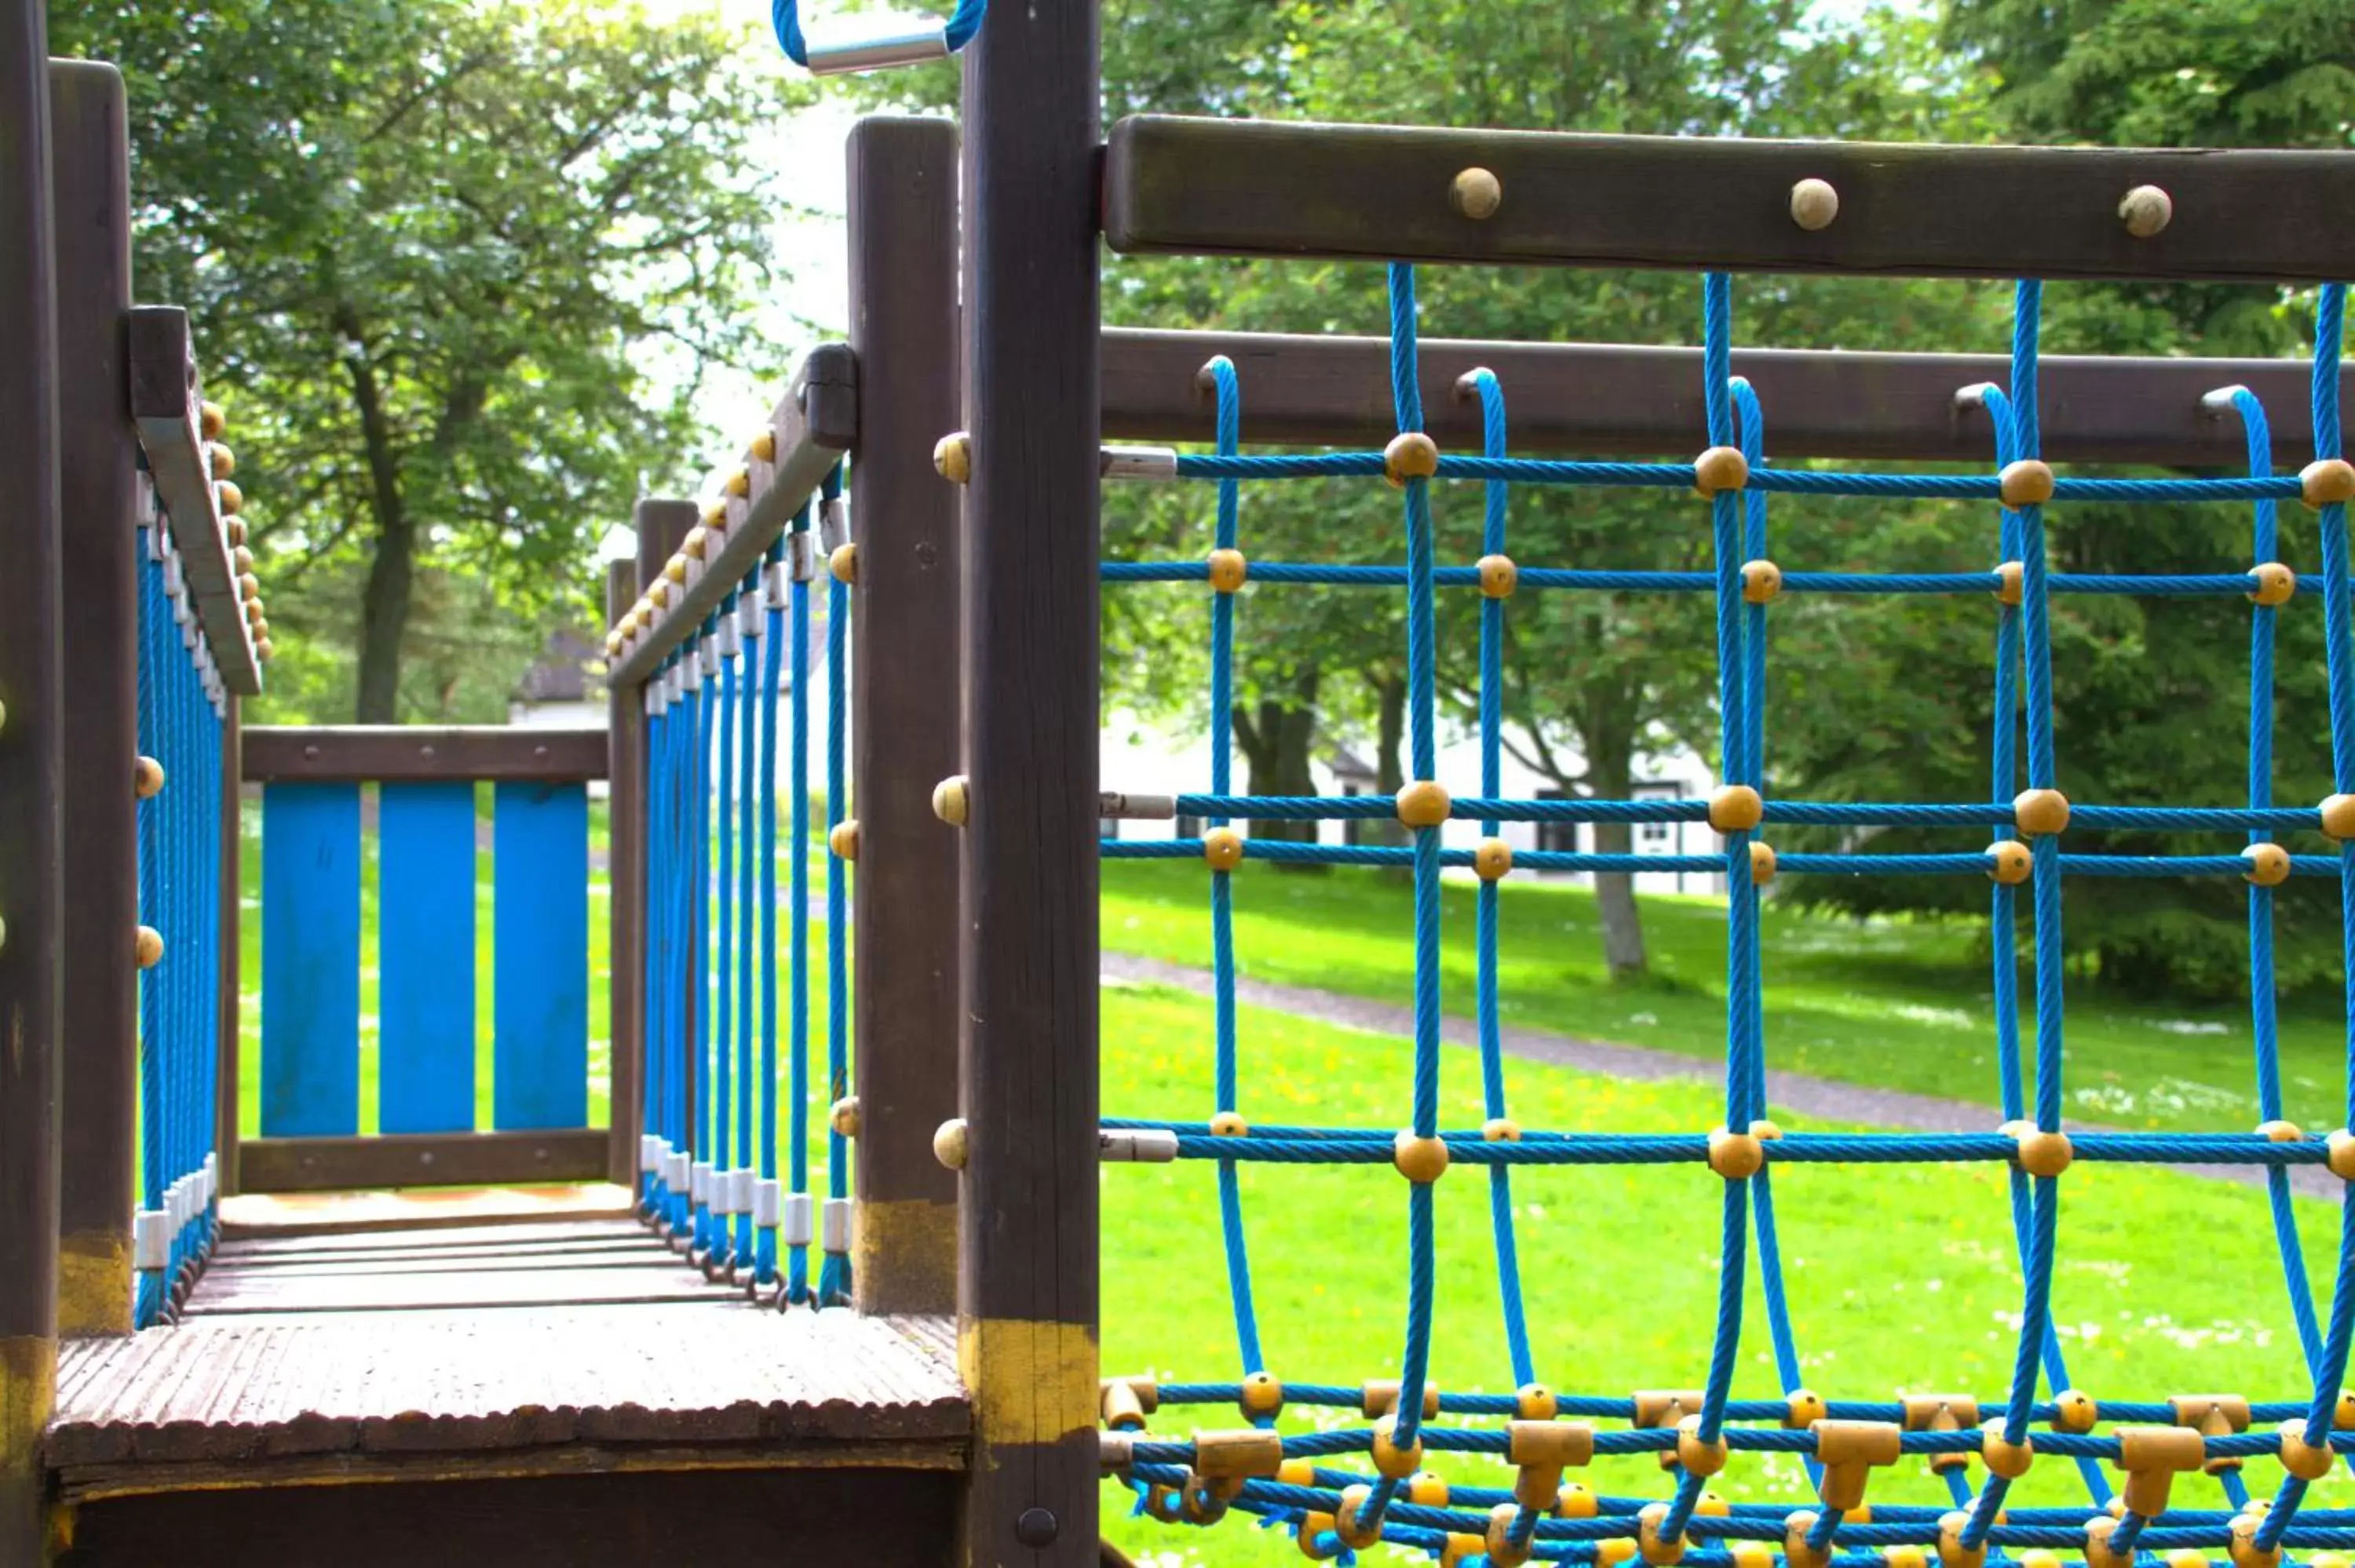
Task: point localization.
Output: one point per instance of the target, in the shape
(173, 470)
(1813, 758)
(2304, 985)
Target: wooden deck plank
(437, 1238)
(250, 1215)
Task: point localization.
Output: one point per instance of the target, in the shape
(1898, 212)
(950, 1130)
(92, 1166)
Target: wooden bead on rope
(2280, 1133)
(1611, 1553)
(1493, 860)
(2039, 1153)
(2073, 1410)
(843, 1116)
(952, 1144)
(1649, 1545)
(1797, 1551)
(1903, 1557)
(1814, 205)
(1229, 569)
(222, 460)
(2146, 210)
(1314, 1528)
(2274, 584)
(1263, 1394)
(210, 419)
(2010, 1460)
(843, 564)
(1736, 1156)
(1951, 1552)
(1379, 1396)
(2010, 862)
(1762, 865)
(1391, 1460)
(2338, 816)
(1762, 582)
(2010, 583)
(1720, 469)
(1499, 577)
(2340, 1154)
(1476, 194)
(231, 498)
(954, 458)
(739, 483)
(1501, 1129)
(952, 800)
(2039, 812)
(1358, 1528)
(2268, 865)
(1497, 1545)
(2307, 1461)
(1697, 1457)
(1222, 848)
(843, 839)
(2026, 482)
(1576, 1500)
(1426, 1489)
(1535, 1402)
(2097, 1549)
(1229, 1124)
(1421, 1161)
(2186, 1557)
(2243, 1550)
(1411, 455)
(1735, 809)
(147, 947)
(147, 779)
(1803, 1408)
(2325, 481)
(1423, 804)
(1299, 1472)
(764, 447)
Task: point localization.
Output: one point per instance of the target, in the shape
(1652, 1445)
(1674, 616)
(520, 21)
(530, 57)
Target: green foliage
(455, 266)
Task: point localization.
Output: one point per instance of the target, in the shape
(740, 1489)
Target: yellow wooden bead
(2307, 1461)
(843, 839)
(2280, 1133)
(241, 559)
(223, 460)
(1762, 582)
(1411, 455)
(613, 644)
(1761, 863)
(1421, 1161)
(1648, 1542)
(715, 518)
(844, 1116)
(1736, 1156)
(257, 623)
(2341, 1155)
(1535, 1402)
(1804, 1407)
(2326, 481)
(210, 420)
(263, 650)
(1612, 1552)
(2010, 1460)
(952, 800)
(236, 527)
(1736, 808)
(2338, 816)
(1476, 194)
(2010, 583)
(2040, 1557)
(843, 564)
(2098, 1554)
(1750, 1553)
(1499, 577)
(2274, 584)
(1296, 1473)
(1576, 1500)
(1357, 1528)
(2026, 482)
(2075, 1411)
(1223, 848)
(1708, 1505)
(1904, 1557)
(1501, 1129)
(1229, 1124)
(2010, 862)
(1228, 570)
(954, 458)
(147, 779)
(1796, 1552)
(2186, 1557)
(147, 947)
(2145, 210)
(1422, 804)
(231, 498)
(1493, 859)
(674, 571)
(1719, 469)
(1460, 1549)
(2039, 811)
(658, 594)
(2243, 1549)
(1814, 205)
(2043, 1153)
(1263, 1394)
(698, 538)
(1951, 1552)
(2268, 865)
(740, 484)
(1697, 1457)
(1426, 1489)
(765, 446)
(1497, 1547)
(248, 585)
(1390, 1459)
(952, 1146)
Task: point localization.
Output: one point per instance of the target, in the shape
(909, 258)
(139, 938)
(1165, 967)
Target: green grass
(1898, 1004)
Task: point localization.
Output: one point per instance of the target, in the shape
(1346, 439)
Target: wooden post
(32, 740)
(98, 476)
(1027, 1266)
(625, 882)
(906, 708)
(662, 526)
(227, 1128)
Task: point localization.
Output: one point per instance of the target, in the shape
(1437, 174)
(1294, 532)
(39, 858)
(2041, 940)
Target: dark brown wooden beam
(811, 428)
(905, 731)
(625, 884)
(98, 487)
(1256, 187)
(32, 780)
(226, 1123)
(421, 1160)
(1026, 1298)
(407, 753)
(1606, 398)
(167, 401)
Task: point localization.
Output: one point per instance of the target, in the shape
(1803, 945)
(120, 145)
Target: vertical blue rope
(772, 672)
(797, 1274)
(703, 963)
(723, 958)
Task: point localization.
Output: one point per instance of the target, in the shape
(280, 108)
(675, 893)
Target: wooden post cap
(950, 1144)
(613, 643)
(2268, 865)
(763, 447)
(954, 458)
(1499, 577)
(2010, 583)
(1228, 570)
(715, 518)
(242, 557)
(1475, 193)
(2010, 862)
(229, 497)
(210, 420)
(843, 564)
(147, 947)
(658, 591)
(2271, 584)
(1423, 804)
(2338, 816)
(2327, 481)
(223, 460)
(2039, 811)
(1762, 865)
(1421, 1161)
(1719, 469)
(1222, 848)
(2146, 210)
(1493, 860)
(147, 779)
(698, 539)
(264, 649)
(674, 571)
(843, 839)
(1411, 455)
(2027, 483)
(1735, 809)
(844, 1116)
(952, 800)
(739, 483)
(1814, 205)
(257, 623)
(1762, 582)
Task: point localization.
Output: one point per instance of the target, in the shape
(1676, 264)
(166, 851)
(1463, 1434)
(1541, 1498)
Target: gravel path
(1809, 1097)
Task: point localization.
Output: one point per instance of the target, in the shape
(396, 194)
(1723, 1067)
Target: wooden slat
(502, 1237)
(227, 1104)
(450, 1289)
(626, 881)
(417, 1210)
(539, 856)
(425, 959)
(417, 1160)
(813, 426)
(1253, 187)
(1619, 400)
(309, 963)
(365, 753)
(166, 401)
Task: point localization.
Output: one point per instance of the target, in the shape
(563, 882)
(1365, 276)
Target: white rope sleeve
(650, 1153)
(767, 1198)
(1140, 1146)
(838, 1226)
(150, 1240)
(795, 1230)
(699, 1182)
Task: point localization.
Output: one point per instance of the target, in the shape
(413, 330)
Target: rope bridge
(1346, 1488)
(711, 983)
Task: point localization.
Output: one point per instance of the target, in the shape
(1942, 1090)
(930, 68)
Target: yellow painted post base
(28, 1389)
(903, 1255)
(1029, 1382)
(94, 1283)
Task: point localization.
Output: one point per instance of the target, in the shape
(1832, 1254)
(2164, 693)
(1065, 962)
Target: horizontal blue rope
(1971, 863)
(1821, 813)
(1362, 1148)
(2220, 584)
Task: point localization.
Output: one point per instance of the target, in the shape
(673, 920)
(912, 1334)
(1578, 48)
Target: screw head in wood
(952, 800)
(950, 1144)
(954, 458)
(147, 779)
(1814, 205)
(2146, 210)
(1476, 194)
(1037, 1527)
(210, 420)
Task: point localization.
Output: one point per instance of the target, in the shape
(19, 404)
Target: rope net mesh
(1352, 1482)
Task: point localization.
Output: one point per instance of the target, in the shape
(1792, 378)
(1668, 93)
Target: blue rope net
(1343, 1488)
(718, 1102)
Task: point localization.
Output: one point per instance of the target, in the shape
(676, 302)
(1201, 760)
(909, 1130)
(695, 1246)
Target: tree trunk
(384, 601)
(1610, 775)
(1276, 737)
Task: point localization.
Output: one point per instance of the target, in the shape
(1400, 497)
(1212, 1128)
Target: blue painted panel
(425, 900)
(539, 931)
(310, 959)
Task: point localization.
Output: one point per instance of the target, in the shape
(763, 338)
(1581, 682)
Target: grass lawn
(1890, 1004)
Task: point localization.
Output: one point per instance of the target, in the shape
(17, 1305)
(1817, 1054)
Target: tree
(455, 268)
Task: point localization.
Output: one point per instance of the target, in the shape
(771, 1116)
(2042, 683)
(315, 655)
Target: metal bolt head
(1037, 1527)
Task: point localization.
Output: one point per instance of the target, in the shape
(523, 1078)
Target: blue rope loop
(786, 17)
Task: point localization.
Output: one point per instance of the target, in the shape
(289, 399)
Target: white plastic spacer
(142, 504)
(833, 525)
(650, 1153)
(741, 1183)
(654, 695)
(773, 592)
(838, 1226)
(1136, 807)
(707, 656)
(751, 616)
(174, 584)
(2218, 403)
(801, 556)
(767, 1197)
(690, 671)
(150, 1240)
(1138, 463)
(892, 50)
(793, 1227)
(1139, 1146)
(699, 1182)
(729, 640)
(211, 1179)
